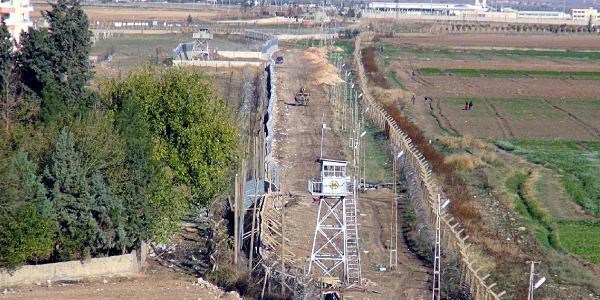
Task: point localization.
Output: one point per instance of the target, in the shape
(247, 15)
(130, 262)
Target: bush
(506, 146)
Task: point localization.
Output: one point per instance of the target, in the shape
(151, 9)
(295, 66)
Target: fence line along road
(454, 239)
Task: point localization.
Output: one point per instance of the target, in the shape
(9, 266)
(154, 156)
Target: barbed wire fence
(455, 245)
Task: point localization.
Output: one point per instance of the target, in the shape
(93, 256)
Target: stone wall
(120, 265)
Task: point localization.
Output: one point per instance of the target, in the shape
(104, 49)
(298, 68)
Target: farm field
(517, 118)
(537, 98)
(520, 96)
(489, 41)
(577, 164)
(509, 73)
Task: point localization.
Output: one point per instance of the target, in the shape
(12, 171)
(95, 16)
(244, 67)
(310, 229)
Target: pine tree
(70, 40)
(7, 63)
(34, 60)
(59, 54)
(25, 213)
(72, 200)
(108, 212)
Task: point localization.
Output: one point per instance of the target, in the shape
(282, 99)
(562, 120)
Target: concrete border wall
(120, 265)
(217, 63)
(296, 37)
(241, 54)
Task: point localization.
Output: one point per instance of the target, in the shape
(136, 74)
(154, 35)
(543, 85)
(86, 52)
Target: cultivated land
(537, 98)
(520, 95)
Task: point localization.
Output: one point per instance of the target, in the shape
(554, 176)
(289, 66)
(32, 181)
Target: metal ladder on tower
(353, 270)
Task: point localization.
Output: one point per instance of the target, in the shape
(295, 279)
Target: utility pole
(235, 221)
(282, 243)
(323, 127)
(252, 232)
(437, 261)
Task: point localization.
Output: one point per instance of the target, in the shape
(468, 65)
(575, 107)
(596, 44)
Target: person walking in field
(466, 106)
(470, 105)
(413, 99)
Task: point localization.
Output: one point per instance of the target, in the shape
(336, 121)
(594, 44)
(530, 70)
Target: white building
(585, 14)
(538, 14)
(15, 14)
(444, 9)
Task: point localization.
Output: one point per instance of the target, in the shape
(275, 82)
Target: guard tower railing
(316, 188)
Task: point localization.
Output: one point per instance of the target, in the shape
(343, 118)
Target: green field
(581, 238)
(577, 163)
(592, 55)
(497, 73)
(393, 51)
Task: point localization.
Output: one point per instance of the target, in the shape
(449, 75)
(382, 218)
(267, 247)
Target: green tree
(70, 40)
(26, 222)
(191, 129)
(102, 157)
(58, 54)
(181, 147)
(72, 200)
(7, 63)
(34, 60)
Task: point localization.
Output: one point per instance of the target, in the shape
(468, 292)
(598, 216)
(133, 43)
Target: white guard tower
(335, 247)
(201, 39)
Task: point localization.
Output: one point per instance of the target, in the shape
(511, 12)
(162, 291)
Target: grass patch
(346, 45)
(577, 164)
(498, 73)
(379, 166)
(431, 72)
(530, 209)
(391, 77)
(546, 53)
(581, 238)
(464, 72)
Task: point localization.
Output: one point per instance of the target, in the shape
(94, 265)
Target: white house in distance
(15, 14)
(585, 14)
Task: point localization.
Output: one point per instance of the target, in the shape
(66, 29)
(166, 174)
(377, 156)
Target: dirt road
(158, 283)
(297, 147)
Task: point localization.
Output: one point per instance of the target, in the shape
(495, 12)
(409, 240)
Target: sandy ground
(490, 40)
(158, 283)
(297, 148)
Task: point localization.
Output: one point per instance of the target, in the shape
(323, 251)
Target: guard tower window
(328, 171)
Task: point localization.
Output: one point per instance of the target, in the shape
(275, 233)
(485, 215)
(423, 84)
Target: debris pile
(213, 290)
(325, 72)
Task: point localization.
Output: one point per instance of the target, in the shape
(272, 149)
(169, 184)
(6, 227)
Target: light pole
(437, 260)
(364, 150)
(394, 223)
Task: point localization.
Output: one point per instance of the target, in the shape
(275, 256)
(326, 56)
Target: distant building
(444, 9)
(585, 14)
(537, 14)
(15, 14)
